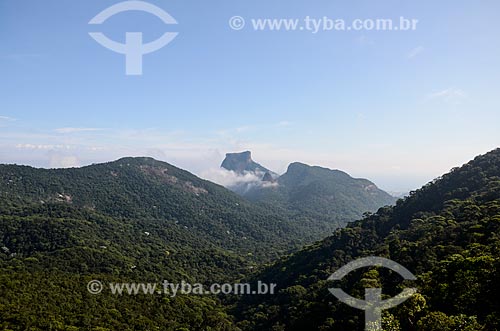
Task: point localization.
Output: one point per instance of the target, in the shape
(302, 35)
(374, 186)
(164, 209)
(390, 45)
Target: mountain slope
(146, 189)
(331, 196)
(447, 233)
(132, 220)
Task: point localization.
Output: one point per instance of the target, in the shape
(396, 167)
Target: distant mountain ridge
(312, 192)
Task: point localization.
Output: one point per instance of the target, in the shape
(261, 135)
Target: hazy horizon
(397, 107)
(208, 167)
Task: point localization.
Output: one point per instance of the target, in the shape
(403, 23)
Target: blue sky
(397, 107)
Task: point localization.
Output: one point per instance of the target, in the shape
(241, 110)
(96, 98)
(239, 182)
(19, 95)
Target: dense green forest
(447, 233)
(135, 219)
(141, 220)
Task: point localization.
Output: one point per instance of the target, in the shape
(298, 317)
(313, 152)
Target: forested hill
(144, 190)
(325, 194)
(132, 220)
(447, 233)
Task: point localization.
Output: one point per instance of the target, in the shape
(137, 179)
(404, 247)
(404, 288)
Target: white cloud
(231, 179)
(6, 118)
(361, 117)
(228, 178)
(415, 52)
(42, 146)
(60, 160)
(450, 95)
(283, 124)
(76, 130)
